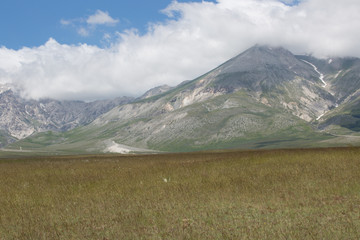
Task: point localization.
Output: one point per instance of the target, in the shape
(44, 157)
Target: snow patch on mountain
(316, 70)
(321, 115)
(338, 74)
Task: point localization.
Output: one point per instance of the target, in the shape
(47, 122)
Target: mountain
(20, 118)
(343, 78)
(265, 97)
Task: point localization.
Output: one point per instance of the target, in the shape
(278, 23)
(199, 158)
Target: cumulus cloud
(195, 38)
(65, 22)
(83, 32)
(101, 17)
(85, 26)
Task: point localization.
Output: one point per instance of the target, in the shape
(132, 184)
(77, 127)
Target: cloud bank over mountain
(195, 38)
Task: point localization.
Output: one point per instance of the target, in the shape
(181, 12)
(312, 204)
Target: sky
(90, 49)
(32, 23)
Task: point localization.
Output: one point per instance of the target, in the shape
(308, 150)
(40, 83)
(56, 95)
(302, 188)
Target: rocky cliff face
(19, 118)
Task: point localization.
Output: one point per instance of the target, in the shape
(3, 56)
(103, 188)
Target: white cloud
(83, 32)
(85, 26)
(65, 22)
(195, 38)
(101, 17)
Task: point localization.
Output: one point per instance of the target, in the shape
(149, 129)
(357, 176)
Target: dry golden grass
(279, 194)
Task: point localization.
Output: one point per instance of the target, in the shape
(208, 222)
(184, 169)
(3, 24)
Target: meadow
(268, 194)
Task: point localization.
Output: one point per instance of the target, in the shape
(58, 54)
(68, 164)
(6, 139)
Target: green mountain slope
(228, 121)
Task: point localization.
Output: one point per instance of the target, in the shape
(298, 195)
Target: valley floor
(272, 194)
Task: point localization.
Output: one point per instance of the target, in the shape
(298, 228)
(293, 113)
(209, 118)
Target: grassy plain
(273, 194)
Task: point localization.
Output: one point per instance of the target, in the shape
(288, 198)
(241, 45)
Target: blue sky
(96, 49)
(31, 23)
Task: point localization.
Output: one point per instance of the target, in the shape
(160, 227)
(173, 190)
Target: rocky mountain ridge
(20, 118)
(264, 97)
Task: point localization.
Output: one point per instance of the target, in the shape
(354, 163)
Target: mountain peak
(260, 55)
(261, 67)
(267, 48)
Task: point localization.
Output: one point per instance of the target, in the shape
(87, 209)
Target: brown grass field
(274, 194)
